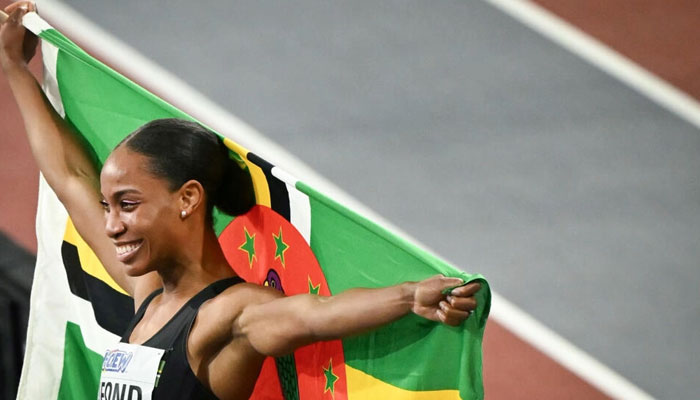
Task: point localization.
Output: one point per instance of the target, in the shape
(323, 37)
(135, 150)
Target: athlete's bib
(129, 372)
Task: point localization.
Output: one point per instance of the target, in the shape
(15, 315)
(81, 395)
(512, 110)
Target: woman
(147, 215)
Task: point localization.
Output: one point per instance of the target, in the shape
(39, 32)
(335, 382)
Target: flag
(295, 239)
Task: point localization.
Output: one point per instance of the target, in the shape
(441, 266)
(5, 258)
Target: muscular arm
(66, 163)
(283, 324)
(236, 330)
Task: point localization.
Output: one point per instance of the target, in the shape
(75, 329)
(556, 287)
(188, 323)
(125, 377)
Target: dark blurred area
(16, 272)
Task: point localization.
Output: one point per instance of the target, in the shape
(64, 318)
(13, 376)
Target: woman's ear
(191, 197)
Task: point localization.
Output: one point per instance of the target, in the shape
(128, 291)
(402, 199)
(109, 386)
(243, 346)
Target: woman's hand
(430, 302)
(17, 45)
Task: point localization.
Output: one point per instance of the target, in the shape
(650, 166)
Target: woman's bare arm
(234, 332)
(281, 325)
(65, 162)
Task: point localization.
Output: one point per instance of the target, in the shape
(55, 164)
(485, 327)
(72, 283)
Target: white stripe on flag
(299, 207)
(50, 85)
(35, 23)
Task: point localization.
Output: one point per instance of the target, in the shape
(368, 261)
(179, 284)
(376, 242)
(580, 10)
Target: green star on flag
(314, 289)
(330, 378)
(249, 247)
(280, 247)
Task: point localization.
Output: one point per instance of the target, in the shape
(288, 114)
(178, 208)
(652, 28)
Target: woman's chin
(136, 270)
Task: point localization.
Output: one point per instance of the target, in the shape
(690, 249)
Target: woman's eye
(104, 205)
(128, 205)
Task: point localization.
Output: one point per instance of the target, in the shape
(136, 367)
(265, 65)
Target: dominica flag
(296, 240)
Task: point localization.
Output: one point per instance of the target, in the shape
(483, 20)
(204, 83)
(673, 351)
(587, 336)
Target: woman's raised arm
(65, 162)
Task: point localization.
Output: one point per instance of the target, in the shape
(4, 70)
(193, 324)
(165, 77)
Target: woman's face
(141, 214)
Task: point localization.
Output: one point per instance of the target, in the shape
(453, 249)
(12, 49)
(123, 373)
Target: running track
(655, 34)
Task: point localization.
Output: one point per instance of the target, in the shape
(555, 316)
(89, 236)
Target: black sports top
(177, 381)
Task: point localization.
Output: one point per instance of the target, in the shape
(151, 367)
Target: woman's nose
(114, 226)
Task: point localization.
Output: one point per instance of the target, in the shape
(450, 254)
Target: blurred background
(575, 194)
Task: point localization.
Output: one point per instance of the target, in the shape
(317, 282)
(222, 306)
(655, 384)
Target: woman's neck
(202, 263)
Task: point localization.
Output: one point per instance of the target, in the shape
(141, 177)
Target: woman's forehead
(122, 161)
(126, 167)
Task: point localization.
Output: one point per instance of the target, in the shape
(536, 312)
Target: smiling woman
(148, 217)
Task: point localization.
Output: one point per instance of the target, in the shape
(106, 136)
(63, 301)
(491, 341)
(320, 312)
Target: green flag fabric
(295, 239)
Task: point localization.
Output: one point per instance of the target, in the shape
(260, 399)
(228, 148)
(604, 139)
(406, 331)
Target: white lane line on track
(132, 64)
(649, 85)
(602, 56)
(556, 347)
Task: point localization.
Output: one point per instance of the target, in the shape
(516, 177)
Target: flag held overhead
(295, 239)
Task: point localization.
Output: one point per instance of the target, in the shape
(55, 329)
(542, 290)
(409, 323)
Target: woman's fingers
(453, 309)
(467, 290)
(462, 303)
(15, 15)
(17, 44)
(450, 315)
(17, 10)
(26, 5)
(459, 304)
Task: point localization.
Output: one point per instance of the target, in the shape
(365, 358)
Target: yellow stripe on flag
(364, 386)
(262, 190)
(88, 260)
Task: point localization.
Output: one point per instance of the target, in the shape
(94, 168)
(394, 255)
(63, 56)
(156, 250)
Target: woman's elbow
(275, 335)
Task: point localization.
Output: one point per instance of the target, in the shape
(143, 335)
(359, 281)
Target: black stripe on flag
(113, 310)
(279, 196)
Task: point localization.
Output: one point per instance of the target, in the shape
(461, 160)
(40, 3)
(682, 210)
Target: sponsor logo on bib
(116, 360)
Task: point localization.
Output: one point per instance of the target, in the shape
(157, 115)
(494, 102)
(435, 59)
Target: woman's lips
(127, 250)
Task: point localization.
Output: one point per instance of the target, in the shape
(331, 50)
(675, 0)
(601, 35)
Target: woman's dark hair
(181, 150)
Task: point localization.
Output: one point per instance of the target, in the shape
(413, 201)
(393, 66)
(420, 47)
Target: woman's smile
(126, 251)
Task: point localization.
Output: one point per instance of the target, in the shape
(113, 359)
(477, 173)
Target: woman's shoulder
(237, 297)
(217, 316)
(228, 305)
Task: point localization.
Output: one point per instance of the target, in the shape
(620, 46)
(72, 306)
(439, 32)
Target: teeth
(127, 248)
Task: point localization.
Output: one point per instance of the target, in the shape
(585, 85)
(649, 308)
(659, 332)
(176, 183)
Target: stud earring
(183, 214)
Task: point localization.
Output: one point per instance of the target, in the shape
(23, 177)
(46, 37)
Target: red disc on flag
(264, 248)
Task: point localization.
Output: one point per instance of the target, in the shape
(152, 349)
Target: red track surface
(20, 175)
(654, 33)
(662, 36)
